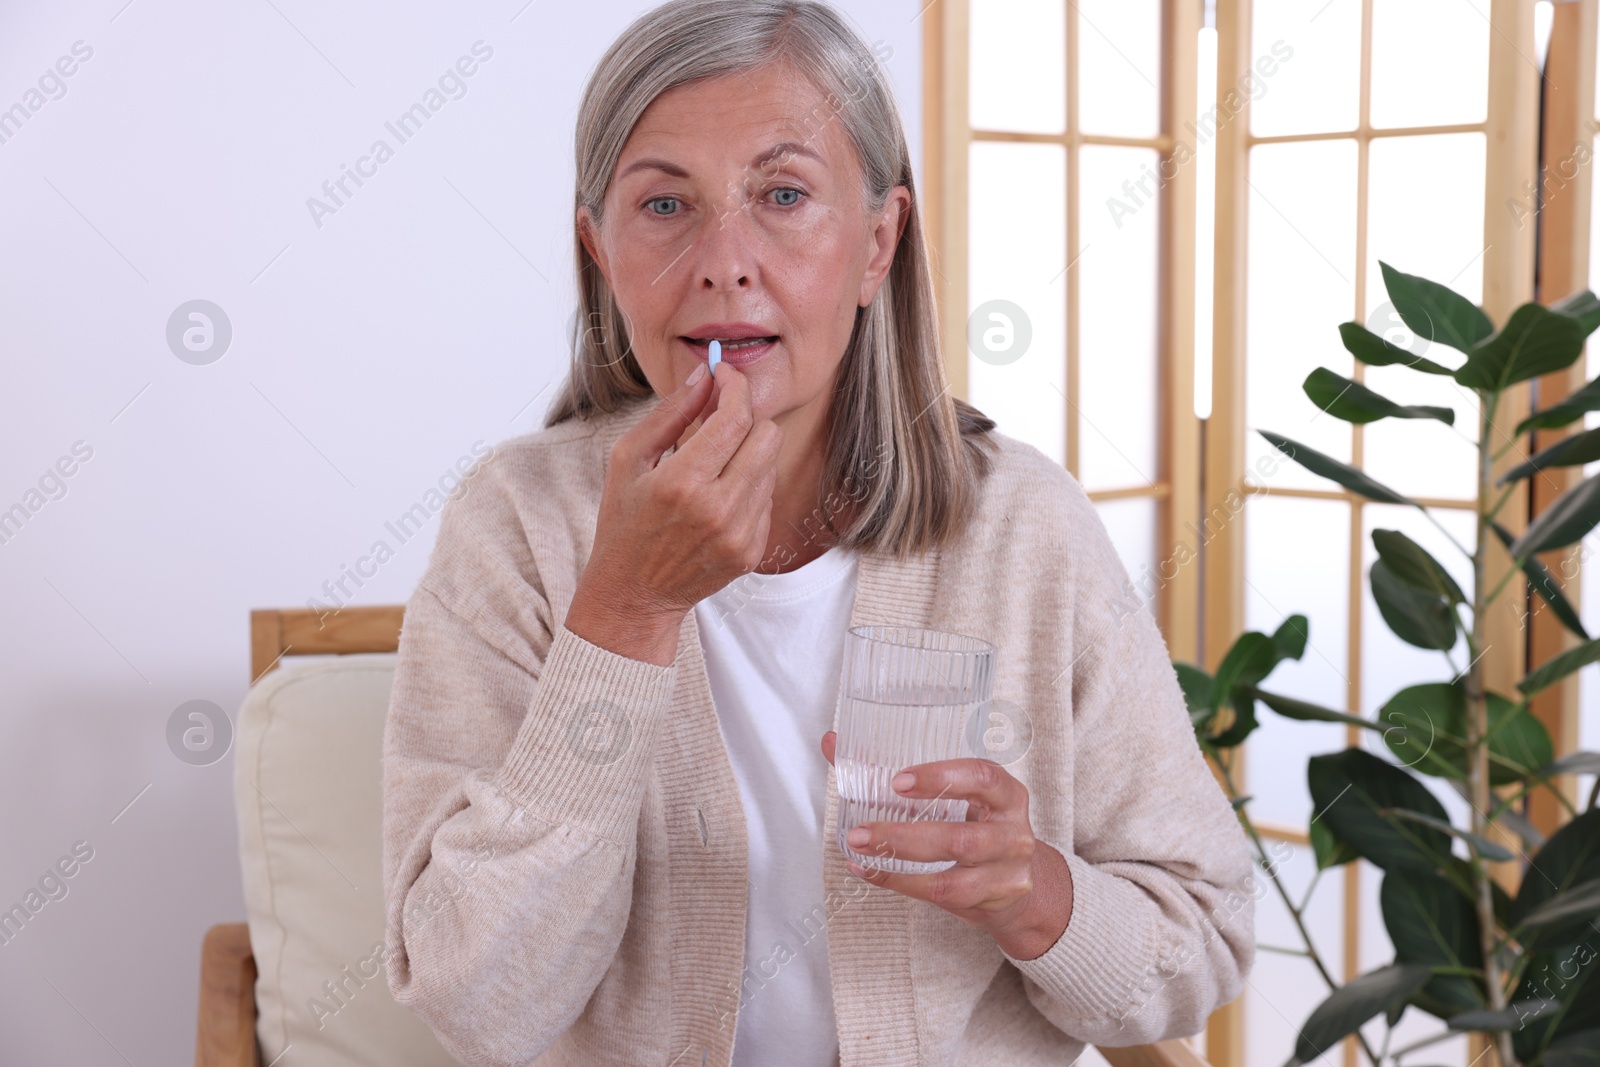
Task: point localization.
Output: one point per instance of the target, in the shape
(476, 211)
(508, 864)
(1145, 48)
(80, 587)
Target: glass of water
(905, 695)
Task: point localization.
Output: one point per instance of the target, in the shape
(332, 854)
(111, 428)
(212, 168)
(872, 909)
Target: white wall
(368, 355)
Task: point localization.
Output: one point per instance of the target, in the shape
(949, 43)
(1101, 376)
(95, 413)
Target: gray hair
(910, 453)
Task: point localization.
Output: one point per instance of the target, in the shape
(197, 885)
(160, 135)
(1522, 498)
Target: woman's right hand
(672, 531)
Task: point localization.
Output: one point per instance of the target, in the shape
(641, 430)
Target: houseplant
(1521, 969)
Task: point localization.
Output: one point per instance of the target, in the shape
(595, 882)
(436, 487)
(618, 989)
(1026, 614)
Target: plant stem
(1280, 950)
(1283, 894)
(1511, 572)
(1509, 802)
(1315, 878)
(1478, 727)
(1466, 630)
(1448, 535)
(1425, 1042)
(1514, 979)
(1498, 504)
(1503, 449)
(1530, 786)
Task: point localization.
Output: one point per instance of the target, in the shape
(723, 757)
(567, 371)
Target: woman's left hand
(1006, 882)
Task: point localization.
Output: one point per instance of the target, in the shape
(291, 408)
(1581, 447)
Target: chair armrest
(227, 1030)
(1173, 1052)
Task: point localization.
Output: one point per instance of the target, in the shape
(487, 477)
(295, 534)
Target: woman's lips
(742, 356)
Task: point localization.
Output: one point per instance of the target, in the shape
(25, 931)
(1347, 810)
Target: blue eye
(663, 200)
(797, 195)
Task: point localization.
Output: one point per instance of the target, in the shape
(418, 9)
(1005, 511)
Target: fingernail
(699, 373)
(904, 780)
(859, 836)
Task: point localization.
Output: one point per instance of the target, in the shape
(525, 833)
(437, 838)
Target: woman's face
(738, 200)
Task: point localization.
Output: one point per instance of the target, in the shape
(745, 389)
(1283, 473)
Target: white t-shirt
(774, 648)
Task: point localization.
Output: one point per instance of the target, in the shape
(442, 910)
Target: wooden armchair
(227, 1031)
(226, 1035)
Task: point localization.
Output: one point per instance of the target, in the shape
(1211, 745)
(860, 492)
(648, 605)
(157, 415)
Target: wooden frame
(944, 170)
(279, 632)
(1509, 158)
(1222, 609)
(1169, 1053)
(1180, 450)
(1508, 269)
(947, 137)
(1564, 259)
(227, 1028)
(226, 1032)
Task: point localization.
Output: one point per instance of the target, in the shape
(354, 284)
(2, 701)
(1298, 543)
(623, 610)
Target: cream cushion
(308, 790)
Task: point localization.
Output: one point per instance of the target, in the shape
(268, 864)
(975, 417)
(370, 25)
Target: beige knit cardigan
(554, 896)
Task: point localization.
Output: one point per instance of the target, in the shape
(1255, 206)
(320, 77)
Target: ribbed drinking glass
(905, 695)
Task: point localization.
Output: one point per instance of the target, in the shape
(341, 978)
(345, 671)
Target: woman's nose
(724, 248)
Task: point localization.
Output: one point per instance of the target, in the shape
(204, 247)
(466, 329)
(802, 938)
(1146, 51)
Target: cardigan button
(700, 817)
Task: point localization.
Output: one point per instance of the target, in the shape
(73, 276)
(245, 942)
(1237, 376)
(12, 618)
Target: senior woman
(608, 792)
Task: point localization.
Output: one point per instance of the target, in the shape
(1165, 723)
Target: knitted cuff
(581, 754)
(1101, 964)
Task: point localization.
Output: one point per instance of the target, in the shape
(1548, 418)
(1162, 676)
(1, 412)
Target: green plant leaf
(1351, 788)
(1290, 637)
(1374, 351)
(1507, 1018)
(1519, 744)
(1290, 708)
(1544, 583)
(1569, 859)
(1583, 306)
(1558, 667)
(1581, 1049)
(1572, 763)
(1354, 402)
(1329, 850)
(1513, 820)
(1491, 849)
(1434, 311)
(1417, 715)
(1568, 976)
(1196, 686)
(1414, 565)
(1428, 728)
(1571, 451)
(1580, 903)
(1567, 411)
(1243, 725)
(1335, 470)
(1534, 341)
(1569, 517)
(1430, 922)
(1251, 659)
(1347, 1008)
(1417, 618)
